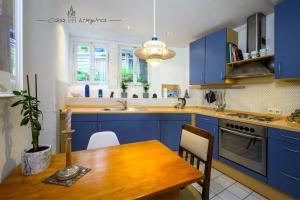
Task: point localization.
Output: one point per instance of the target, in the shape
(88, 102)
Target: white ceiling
(185, 20)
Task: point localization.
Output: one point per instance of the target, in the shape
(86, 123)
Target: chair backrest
(197, 145)
(103, 139)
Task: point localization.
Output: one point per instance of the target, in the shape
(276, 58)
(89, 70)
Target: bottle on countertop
(87, 90)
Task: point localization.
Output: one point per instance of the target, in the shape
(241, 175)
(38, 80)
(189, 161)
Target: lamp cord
(154, 18)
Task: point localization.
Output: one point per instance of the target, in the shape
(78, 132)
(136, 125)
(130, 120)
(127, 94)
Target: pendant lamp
(154, 51)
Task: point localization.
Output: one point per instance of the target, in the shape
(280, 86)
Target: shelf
(262, 59)
(6, 95)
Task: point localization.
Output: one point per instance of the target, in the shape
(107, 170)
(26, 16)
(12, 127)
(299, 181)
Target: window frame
(92, 44)
(135, 65)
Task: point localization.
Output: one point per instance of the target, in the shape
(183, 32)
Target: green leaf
(25, 121)
(16, 103)
(37, 125)
(26, 112)
(17, 93)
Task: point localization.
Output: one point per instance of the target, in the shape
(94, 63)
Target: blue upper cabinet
(215, 62)
(287, 39)
(197, 61)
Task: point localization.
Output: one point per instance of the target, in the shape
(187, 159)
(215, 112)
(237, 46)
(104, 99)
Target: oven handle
(242, 134)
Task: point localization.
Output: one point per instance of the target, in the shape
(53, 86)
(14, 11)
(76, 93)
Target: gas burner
(252, 117)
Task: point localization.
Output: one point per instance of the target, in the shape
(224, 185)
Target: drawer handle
(205, 119)
(291, 177)
(291, 150)
(292, 138)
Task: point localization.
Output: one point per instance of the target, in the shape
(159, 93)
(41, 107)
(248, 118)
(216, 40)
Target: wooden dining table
(142, 170)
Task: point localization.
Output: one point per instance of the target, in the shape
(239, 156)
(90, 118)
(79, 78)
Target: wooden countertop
(280, 122)
(143, 170)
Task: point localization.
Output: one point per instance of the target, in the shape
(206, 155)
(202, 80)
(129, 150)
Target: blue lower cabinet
(82, 134)
(284, 161)
(142, 130)
(170, 129)
(118, 127)
(210, 124)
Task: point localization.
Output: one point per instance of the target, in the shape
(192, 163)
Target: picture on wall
(170, 91)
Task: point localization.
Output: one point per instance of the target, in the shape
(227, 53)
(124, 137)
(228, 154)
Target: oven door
(244, 149)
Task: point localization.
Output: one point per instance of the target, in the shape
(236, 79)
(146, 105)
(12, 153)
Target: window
(133, 69)
(91, 63)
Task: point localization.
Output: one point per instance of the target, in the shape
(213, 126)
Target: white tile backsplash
(259, 95)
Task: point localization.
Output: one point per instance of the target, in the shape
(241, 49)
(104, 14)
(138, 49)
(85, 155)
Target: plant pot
(124, 94)
(36, 162)
(146, 95)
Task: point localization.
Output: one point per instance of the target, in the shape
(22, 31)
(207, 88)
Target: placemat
(53, 180)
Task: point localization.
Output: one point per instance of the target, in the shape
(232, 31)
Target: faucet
(124, 103)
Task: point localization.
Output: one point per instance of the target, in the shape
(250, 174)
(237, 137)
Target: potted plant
(146, 87)
(37, 158)
(124, 87)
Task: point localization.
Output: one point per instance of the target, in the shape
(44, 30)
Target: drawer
(84, 117)
(175, 117)
(143, 117)
(202, 119)
(112, 117)
(286, 136)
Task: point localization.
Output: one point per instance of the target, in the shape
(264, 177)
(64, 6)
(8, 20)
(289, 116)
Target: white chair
(103, 139)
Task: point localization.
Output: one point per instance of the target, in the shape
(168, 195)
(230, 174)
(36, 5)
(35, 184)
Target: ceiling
(178, 21)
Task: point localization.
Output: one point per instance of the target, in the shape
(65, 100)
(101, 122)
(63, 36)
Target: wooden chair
(103, 139)
(196, 146)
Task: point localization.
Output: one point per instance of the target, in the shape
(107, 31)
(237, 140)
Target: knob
(236, 126)
(252, 130)
(246, 129)
(241, 128)
(231, 125)
(227, 125)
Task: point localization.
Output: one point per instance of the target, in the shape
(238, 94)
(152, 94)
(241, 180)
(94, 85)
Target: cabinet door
(82, 134)
(211, 128)
(171, 133)
(215, 62)
(287, 40)
(283, 166)
(118, 127)
(142, 130)
(197, 61)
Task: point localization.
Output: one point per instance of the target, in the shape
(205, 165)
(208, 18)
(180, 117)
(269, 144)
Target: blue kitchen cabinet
(197, 61)
(284, 161)
(210, 124)
(287, 40)
(142, 127)
(118, 127)
(84, 126)
(170, 129)
(215, 57)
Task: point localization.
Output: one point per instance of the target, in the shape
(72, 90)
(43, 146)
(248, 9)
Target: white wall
(172, 71)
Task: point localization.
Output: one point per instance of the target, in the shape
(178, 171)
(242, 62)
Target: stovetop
(253, 117)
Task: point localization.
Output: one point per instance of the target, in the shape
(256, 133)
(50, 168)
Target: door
(244, 149)
(215, 62)
(287, 40)
(197, 61)
(82, 134)
(118, 127)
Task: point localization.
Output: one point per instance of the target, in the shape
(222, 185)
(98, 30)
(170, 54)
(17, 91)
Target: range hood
(256, 40)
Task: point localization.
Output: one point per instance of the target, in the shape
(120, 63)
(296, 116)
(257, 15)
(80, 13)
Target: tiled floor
(223, 187)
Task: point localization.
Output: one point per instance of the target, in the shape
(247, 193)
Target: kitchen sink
(123, 109)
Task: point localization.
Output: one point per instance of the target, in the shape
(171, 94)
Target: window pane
(83, 63)
(142, 71)
(127, 65)
(99, 71)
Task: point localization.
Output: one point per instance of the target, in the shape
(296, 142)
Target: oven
(244, 144)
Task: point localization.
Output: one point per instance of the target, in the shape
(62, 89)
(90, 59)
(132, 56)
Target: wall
(260, 94)
(172, 71)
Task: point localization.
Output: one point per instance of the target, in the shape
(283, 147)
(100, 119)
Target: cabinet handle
(222, 78)
(292, 138)
(290, 150)
(290, 176)
(279, 68)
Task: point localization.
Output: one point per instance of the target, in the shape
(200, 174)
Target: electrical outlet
(278, 111)
(271, 110)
